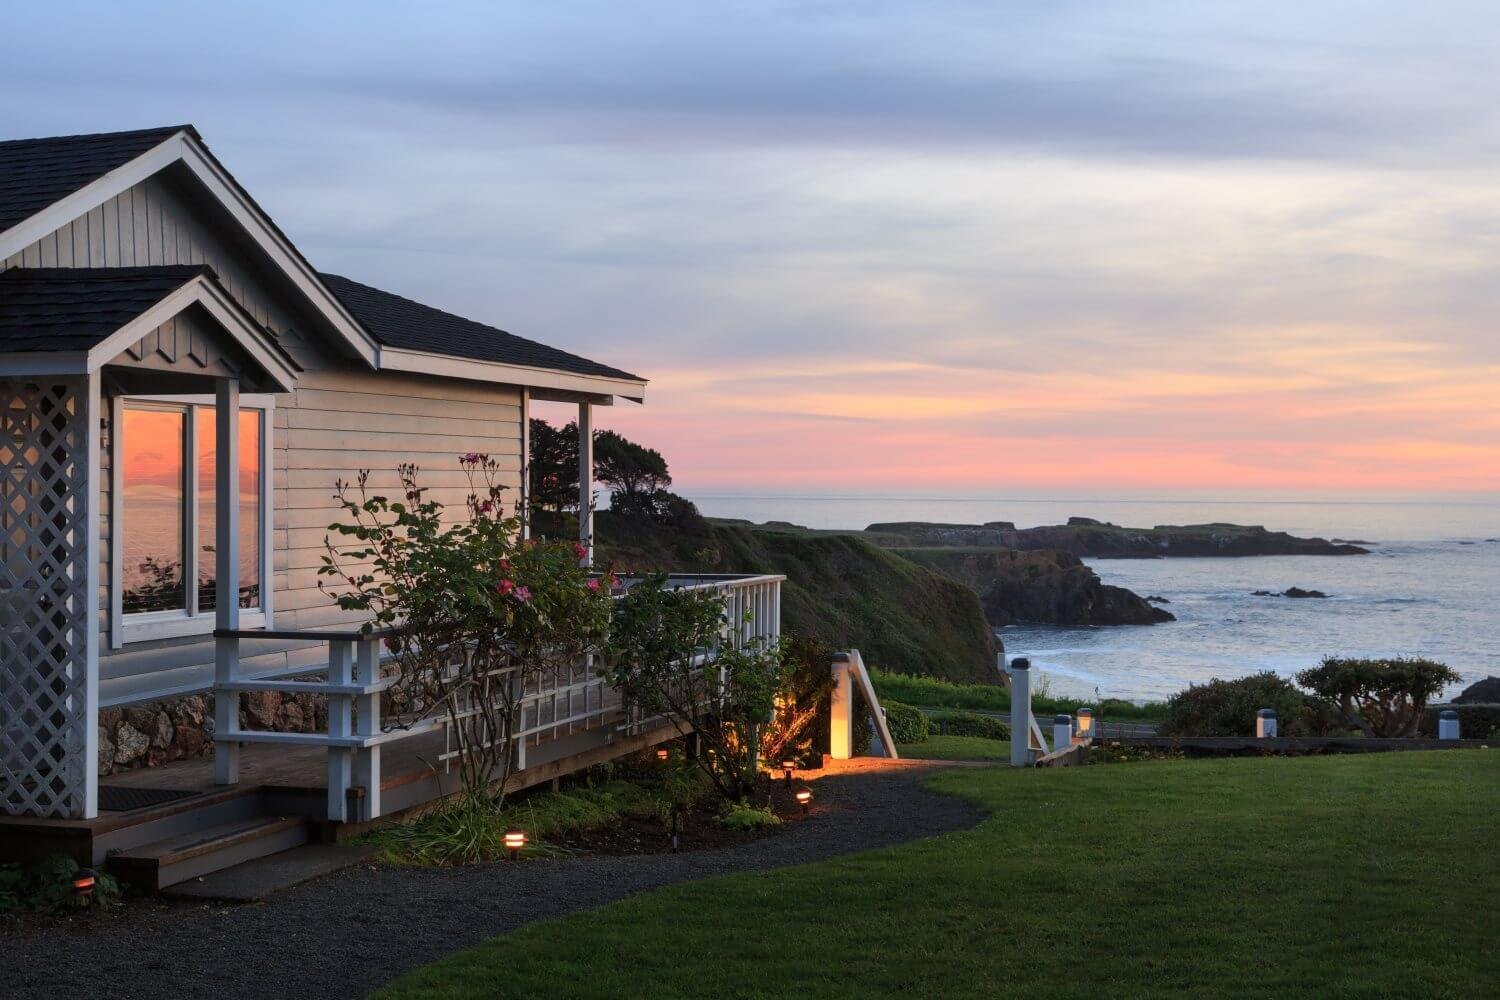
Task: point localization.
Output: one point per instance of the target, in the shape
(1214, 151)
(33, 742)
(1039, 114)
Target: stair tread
(173, 850)
(257, 879)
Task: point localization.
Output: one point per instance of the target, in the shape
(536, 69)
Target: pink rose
(504, 587)
(579, 550)
(486, 507)
(594, 584)
(505, 564)
(472, 458)
(523, 594)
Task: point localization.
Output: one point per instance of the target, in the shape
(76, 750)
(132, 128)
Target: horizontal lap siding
(339, 423)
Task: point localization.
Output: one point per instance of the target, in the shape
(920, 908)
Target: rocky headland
(1088, 538)
(1038, 587)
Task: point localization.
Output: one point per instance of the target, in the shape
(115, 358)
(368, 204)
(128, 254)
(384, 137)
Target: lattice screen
(45, 717)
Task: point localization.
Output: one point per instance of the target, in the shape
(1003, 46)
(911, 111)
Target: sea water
(1429, 588)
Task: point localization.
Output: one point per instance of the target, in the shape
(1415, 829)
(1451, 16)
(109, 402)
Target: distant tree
(628, 468)
(552, 476)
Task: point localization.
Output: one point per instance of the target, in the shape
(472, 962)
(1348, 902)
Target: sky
(890, 248)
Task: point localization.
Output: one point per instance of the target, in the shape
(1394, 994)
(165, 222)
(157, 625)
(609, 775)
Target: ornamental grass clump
(473, 614)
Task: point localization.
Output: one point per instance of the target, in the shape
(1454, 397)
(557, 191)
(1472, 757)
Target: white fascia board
(183, 147)
(205, 292)
(448, 366)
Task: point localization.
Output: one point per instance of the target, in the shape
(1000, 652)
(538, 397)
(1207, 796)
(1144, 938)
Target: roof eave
(567, 385)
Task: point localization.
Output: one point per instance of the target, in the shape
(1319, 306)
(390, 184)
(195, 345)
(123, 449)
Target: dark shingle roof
(401, 323)
(74, 308)
(34, 173)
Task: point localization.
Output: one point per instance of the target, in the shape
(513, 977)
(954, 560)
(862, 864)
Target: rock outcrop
(1086, 537)
(1046, 587)
(1289, 592)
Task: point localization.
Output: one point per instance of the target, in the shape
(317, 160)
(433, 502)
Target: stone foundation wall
(157, 732)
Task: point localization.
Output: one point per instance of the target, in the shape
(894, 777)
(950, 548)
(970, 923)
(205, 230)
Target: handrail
(353, 742)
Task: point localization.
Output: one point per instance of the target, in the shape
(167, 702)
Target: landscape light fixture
(515, 839)
(83, 883)
(787, 767)
(804, 796)
(1085, 719)
(662, 753)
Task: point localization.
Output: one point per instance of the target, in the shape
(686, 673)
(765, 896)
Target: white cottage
(180, 388)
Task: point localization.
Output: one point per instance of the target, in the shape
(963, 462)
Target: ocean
(1430, 587)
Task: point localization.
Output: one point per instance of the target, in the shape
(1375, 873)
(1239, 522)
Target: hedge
(967, 724)
(1475, 722)
(907, 725)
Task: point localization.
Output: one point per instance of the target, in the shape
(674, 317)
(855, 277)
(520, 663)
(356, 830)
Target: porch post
(49, 595)
(841, 710)
(226, 573)
(586, 481)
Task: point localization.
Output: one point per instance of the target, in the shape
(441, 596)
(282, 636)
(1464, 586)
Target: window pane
(249, 509)
(152, 535)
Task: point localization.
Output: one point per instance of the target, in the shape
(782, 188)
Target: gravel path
(349, 933)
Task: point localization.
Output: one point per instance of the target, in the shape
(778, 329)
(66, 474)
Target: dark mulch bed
(699, 831)
(349, 933)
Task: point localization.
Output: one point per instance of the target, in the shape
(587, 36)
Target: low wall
(158, 732)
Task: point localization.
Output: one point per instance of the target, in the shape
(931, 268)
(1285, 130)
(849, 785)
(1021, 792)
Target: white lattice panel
(46, 719)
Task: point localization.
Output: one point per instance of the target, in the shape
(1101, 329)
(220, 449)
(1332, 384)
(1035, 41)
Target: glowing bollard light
(1085, 728)
(804, 798)
(515, 840)
(1265, 724)
(662, 753)
(787, 767)
(1062, 731)
(83, 884)
(1448, 724)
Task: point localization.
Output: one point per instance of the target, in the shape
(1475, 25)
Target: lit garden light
(1085, 719)
(515, 839)
(83, 884)
(804, 798)
(787, 767)
(662, 753)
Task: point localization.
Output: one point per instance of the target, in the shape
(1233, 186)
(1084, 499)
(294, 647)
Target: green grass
(934, 692)
(1339, 876)
(937, 747)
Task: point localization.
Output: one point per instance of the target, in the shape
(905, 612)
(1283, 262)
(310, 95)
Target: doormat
(119, 798)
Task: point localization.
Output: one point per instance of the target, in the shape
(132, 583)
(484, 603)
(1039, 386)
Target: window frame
(148, 626)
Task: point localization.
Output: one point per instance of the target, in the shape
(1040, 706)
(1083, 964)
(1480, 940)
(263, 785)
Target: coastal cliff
(840, 589)
(1088, 538)
(1048, 586)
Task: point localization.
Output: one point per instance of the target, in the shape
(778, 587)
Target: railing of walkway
(563, 701)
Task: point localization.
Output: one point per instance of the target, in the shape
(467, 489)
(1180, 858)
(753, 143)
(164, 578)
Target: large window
(168, 463)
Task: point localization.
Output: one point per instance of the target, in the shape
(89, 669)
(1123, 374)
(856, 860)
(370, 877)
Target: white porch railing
(570, 700)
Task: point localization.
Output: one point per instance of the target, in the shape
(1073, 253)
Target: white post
(340, 724)
(1448, 724)
(1020, 712)
(586, 481)
(226, 573)
(525, 492)
(367, 759)
(1265, 724)
(90, 721)
(841, 710)
(1062, 732)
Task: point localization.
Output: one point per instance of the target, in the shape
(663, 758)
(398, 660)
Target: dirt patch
(699, 830)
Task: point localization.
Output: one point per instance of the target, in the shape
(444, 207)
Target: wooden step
(166, 862)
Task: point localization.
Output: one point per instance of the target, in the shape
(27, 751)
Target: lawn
(1348, 876)
(956, 748)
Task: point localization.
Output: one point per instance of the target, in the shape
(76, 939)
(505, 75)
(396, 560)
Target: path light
(787, 767)
(515, 839)
(83, 883)
(662, 753)
(804, 796)
(1086, 723)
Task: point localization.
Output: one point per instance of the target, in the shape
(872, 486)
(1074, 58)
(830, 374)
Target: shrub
(968, 724)
(1382, 697)
(47, 887)
(1475, 722)
(743, 817)
(1227, 708)
(907, 725)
